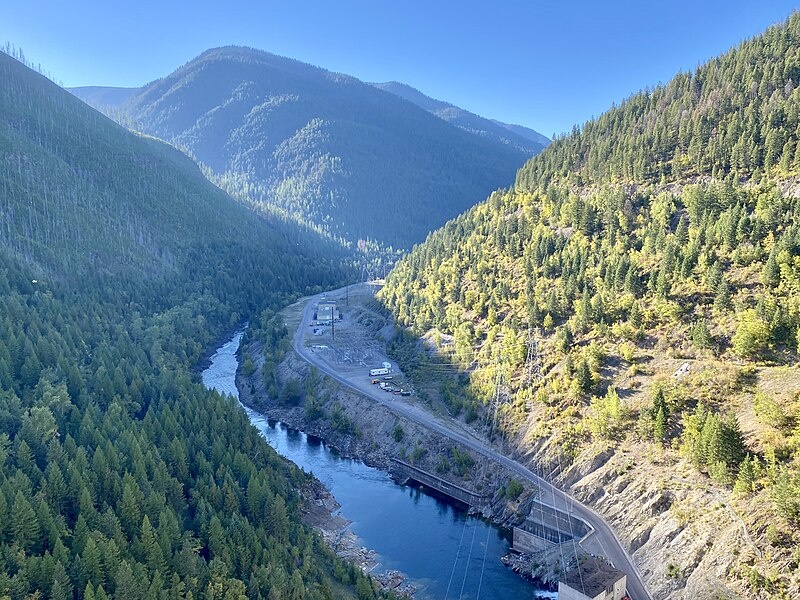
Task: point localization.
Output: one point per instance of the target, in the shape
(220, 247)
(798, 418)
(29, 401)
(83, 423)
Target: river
(446, 553)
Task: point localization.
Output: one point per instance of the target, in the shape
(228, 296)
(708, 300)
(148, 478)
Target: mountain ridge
(518, 136)
(120, 264)
(103, 97)
(323, 147)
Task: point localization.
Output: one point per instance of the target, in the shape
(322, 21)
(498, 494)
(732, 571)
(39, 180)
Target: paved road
(602, 536)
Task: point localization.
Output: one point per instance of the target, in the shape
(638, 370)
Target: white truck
(376, 372)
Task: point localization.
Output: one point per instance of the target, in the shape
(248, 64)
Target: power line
(485, 459)
(558, 527)
(458, 552)
(469, 557)
(533, 361)
(466, 520)
(567, 505)
(533, 374)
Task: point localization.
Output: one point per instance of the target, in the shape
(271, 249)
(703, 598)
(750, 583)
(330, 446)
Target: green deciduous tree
(752, 334)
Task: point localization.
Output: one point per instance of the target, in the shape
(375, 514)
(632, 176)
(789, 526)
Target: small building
(326, 311)
(595, 579)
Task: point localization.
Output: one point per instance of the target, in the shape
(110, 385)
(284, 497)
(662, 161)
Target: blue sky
(547, 65)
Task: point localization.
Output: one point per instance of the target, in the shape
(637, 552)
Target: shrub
(292, 393)
(513, 489)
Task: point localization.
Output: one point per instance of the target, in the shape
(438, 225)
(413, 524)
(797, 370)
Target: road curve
(603, 533)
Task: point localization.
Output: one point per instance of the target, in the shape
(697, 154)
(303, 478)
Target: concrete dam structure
(546, 526)
(406, 472)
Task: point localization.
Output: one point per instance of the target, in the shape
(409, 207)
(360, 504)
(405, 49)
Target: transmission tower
(533, 361)
(500, 397)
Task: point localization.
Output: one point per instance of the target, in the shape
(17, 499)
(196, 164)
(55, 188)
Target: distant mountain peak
(103, 97)
(525, 139)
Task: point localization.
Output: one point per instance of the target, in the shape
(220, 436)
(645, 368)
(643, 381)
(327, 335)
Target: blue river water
(446, 554)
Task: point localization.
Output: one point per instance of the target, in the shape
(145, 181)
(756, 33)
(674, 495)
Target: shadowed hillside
(120, 475)
(322, 147)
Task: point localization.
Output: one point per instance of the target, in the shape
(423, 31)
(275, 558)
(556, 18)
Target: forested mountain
(525, 132)
(517, 136)
(103, 97)
(120, 475)
(322, 147)
(656, 250)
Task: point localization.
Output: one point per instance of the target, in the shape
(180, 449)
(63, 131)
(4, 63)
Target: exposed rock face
(686, 537)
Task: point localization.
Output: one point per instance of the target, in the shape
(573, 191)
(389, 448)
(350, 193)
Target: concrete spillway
(546, 526)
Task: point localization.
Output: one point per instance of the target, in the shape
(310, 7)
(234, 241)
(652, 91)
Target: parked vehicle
(381, 371)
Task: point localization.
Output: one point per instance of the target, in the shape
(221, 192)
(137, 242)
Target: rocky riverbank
(359, 428)
(545, 566)
(320, 513)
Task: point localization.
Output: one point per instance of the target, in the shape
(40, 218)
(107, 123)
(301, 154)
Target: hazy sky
(547, 65)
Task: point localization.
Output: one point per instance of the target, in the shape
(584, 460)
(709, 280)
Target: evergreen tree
(24, 525)
(700, 335)
(91, 564)
(722, 299)
(771, 273)
(62, 587)
(747, 476)
(126, 585)
(786, 493)
(583, 377)
(660, 426)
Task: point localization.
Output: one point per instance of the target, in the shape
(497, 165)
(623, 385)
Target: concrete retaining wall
(405, 471)
(546, 526)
